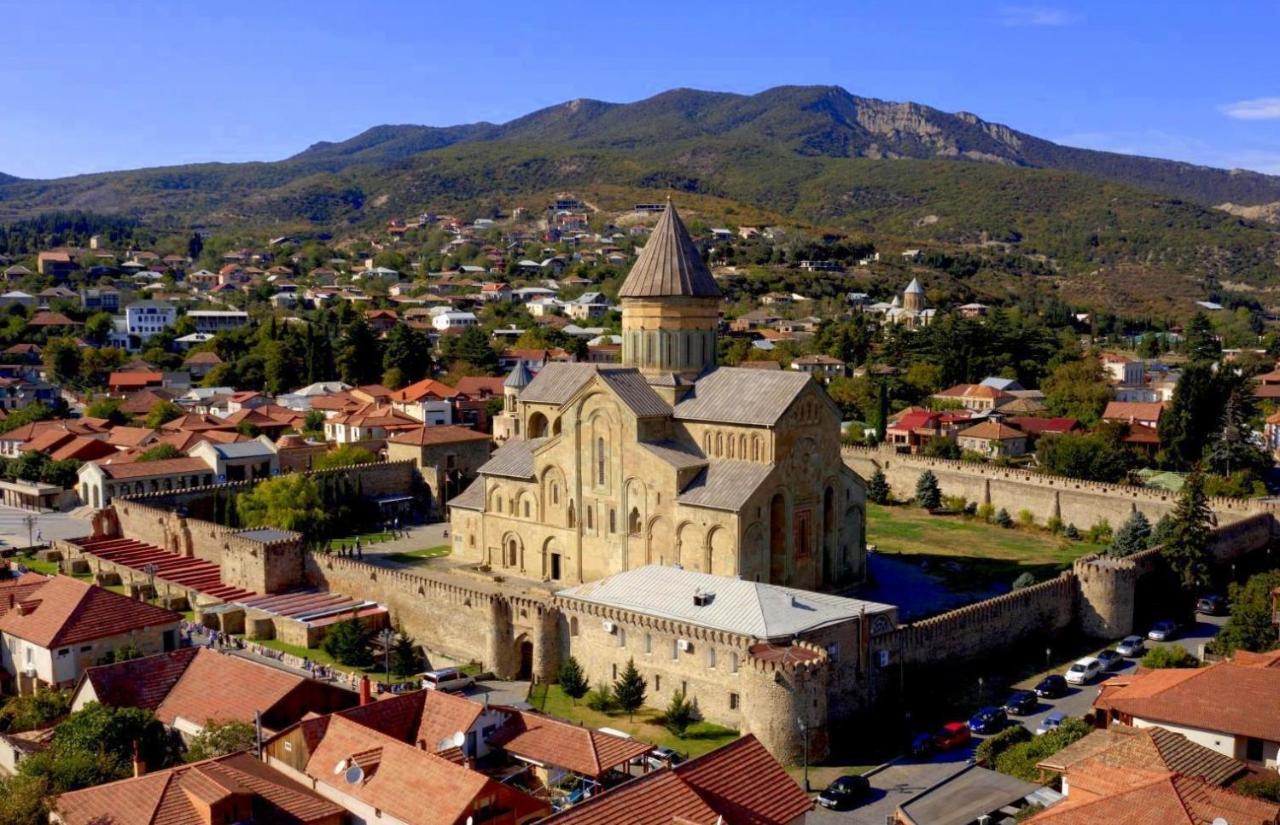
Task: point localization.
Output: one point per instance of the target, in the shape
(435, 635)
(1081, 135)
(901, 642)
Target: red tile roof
(177, 796)
(427, 387)
(147, 469)
(133, 380)
(739, 784)
(137, 683)
(1036, 425)
(1163, 799)
(1130, 411)
(82, 448)
(19, 589)
(1239, 697)
(426, 436)
(551, 742)
(51, 319)
(67, 611)
(477, 386)
(992, 431)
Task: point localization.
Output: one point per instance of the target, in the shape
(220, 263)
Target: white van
(1084, 671)
(449, 679)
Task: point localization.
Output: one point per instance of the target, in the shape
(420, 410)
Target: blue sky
(91, 86)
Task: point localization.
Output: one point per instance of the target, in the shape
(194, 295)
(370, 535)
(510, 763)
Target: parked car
(988, 720)
(844, 793)
(922, 744)
(1111, 660)
(1163, 631)
(1211, 605)
(1083, 671)
(1050, 722)
(1022, 702)
(448, 679)
(662, 757)
(1051, 687)
(952, 735)
(1131, 647)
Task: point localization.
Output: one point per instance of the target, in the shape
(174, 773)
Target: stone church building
(666, 459)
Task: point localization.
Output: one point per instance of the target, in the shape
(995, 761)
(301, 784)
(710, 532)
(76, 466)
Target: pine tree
(629, 690)
(405, 659)
(572, 681)
(1187, 549)
(359, 361)
(878, 488)
(348, 643)
(928, 495)
(1134, 535)
(681, 713)
(408, 351)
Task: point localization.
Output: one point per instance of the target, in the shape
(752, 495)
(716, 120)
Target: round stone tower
(670, 307)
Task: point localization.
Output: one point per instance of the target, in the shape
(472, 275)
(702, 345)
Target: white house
(146, 318)
(217, 320)
(52, 631)
(454, 319)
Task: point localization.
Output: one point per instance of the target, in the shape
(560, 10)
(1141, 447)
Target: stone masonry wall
(1082, 503)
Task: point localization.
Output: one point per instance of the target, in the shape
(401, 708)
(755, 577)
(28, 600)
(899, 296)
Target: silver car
(1164, 631)
(1131, 647)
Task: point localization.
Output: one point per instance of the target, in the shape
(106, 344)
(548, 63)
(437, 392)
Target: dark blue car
(988, 720)
(1021, 702)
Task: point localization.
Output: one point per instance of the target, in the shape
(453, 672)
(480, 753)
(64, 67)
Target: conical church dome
(669, 265)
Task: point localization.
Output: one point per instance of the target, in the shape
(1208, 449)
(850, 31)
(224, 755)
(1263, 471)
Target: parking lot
(908, 776)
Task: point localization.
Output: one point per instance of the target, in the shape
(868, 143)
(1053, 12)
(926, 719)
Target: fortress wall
(978, 629)
(1078, 502)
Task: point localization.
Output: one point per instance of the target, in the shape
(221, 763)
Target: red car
(952, 735)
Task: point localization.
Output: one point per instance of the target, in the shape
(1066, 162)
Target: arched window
(755, 448)
(526, 509)
(719, 444)
(733, 453)
(706, 443)
(573, 626)
(511, 553)
(613, 520)
(555, 493)
(572, 518)
(499, 502)
(633, 522)
(600, 460)
(591, 519)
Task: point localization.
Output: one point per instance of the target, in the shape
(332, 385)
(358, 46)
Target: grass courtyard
(645, 725)
(422, 556)
(969, 552)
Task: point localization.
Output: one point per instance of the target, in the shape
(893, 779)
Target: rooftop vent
(702, 598)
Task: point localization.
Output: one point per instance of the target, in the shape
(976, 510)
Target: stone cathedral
(666, 459)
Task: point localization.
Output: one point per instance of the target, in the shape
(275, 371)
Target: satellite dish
(459, 739)
(445, 743)
(1219, 821)
(354, 775)
(340, 767)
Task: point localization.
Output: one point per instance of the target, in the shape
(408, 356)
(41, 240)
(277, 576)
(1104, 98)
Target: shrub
(1100, 532)
(220, 739)
(681, 713)
(601, 699)
(1026, 518)
(1020, 759)
(955, 504)
(991, 747)
(986, 512)
(1072, 532)
(1169, 656)
(1262, 787)
(1054, 525)
(1024, 580)
(1003, 518)
(971, 509)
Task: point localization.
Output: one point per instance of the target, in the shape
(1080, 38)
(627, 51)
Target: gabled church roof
(669, 265)
(520, 376)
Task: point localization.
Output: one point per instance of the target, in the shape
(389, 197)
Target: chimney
(139, 767)
(365, 697)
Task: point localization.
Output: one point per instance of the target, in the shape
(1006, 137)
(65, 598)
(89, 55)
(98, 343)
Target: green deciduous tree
(61, 357)
(220, 739)
(1096, 456)
(1193, 416)
(408, 351)
(928, 494)
(348, 643)
(1250, 627)
(629, 690)
(344, 456)
(290, 502)
(160, 452)
(163, 413)
(34, 710)
(1077, 389)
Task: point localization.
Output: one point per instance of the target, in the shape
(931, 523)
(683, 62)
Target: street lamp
(804, 749)
(980, 683)
(1048, 657)
(387, 636)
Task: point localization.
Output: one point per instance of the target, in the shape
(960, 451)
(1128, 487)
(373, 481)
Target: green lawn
(699, 739)
(418, 556)
(48, 568)
(968, 551)
(365, 539)
(375, 672)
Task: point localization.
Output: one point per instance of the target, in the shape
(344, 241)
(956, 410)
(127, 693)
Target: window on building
(573, 626)
(675, 651)
(572, 519)
(622, 637)
(1253, 750)
(657, 683)
(613, 520)
(633, 522)
(648, 643)
(600, 461)
(526, 509)
(711, 658)
(733, 701)
(833, 651)
(591, 519)
(733, 662)
(615, 673)
(555, 493)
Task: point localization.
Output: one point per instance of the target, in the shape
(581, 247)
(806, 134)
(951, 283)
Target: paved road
(900, 781)
(13, 527)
